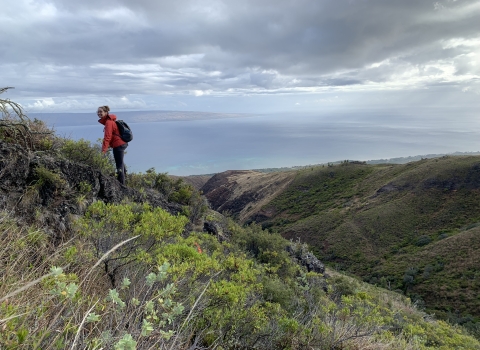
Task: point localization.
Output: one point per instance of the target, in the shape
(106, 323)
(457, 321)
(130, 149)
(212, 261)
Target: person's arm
(107, 137)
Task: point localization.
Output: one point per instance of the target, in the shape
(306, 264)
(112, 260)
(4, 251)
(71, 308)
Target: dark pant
(118, 153)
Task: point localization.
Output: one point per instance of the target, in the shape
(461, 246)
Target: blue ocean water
(210, 146)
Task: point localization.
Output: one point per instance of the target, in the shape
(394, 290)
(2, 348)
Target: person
(112, 139)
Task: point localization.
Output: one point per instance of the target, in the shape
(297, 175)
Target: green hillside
(88, 264)
(404, 227)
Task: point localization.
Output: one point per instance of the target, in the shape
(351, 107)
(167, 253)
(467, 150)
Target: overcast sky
(253, 56)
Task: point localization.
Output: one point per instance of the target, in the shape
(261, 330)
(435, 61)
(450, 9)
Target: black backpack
(124, 130)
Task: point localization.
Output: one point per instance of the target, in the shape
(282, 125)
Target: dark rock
(21, 190)
(312, 263)
(14, 167)
(214, 229)
(388, 188)
(305, 258)
(210, 227)
(391, 188)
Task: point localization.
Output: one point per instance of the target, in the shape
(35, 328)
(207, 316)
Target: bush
(268, 248)
(423, 240)
(108, 225)
(175, 190)
(84, 152)
(189, 292)
(276, 291)
(17, 128)
(48, 177)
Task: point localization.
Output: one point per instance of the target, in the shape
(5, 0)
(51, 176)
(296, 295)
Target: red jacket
(111, 136)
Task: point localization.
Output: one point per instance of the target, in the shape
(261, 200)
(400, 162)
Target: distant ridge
(398, 160)
(198, 181)
(403, 160)
(82, 119)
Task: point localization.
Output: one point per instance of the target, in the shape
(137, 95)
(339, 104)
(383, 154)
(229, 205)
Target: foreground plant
(17, 128)
(169, 294)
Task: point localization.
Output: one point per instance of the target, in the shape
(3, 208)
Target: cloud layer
(146, 54)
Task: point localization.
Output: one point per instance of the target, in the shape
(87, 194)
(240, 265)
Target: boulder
(305, 257)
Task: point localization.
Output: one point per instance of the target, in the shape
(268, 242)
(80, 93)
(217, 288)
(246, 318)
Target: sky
(248, 56)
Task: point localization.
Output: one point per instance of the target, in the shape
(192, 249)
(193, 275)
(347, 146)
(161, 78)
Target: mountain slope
(87, 264)
(244, 192)
(135, 276)
(371, 220)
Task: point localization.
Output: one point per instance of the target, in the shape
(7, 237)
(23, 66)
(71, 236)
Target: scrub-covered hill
(88, 264)
(398, 226)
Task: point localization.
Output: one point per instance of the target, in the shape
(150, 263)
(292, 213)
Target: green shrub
(268, 248)
(342, 287)
(108, 225)
(48, 177)
(84, 187)
(174, 190)
(276, 291)
(191, 291)
(423, 240)
(84, 152)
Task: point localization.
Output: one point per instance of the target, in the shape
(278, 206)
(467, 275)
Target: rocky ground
(52, 193)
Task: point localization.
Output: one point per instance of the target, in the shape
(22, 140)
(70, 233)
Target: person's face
(101, 113)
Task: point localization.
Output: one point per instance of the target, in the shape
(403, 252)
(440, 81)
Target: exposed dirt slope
(197, 181)
(242, 193)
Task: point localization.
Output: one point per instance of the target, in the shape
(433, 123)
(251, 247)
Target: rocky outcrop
(305, 257)
(215, 229)
(57, 186)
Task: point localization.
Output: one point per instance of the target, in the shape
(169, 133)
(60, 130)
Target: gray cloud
(63, 49)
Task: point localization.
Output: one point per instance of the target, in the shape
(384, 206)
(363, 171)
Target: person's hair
(104, 108)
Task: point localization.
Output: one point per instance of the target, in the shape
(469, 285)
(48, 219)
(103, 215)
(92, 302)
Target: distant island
(161, 116)
(83, 119)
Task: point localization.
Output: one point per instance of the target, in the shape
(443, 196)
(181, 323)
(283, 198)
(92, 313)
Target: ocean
(189, 147)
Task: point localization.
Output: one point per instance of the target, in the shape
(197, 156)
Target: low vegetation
(130, 280)
(129, 275)
(410, 228)
(175, 190)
